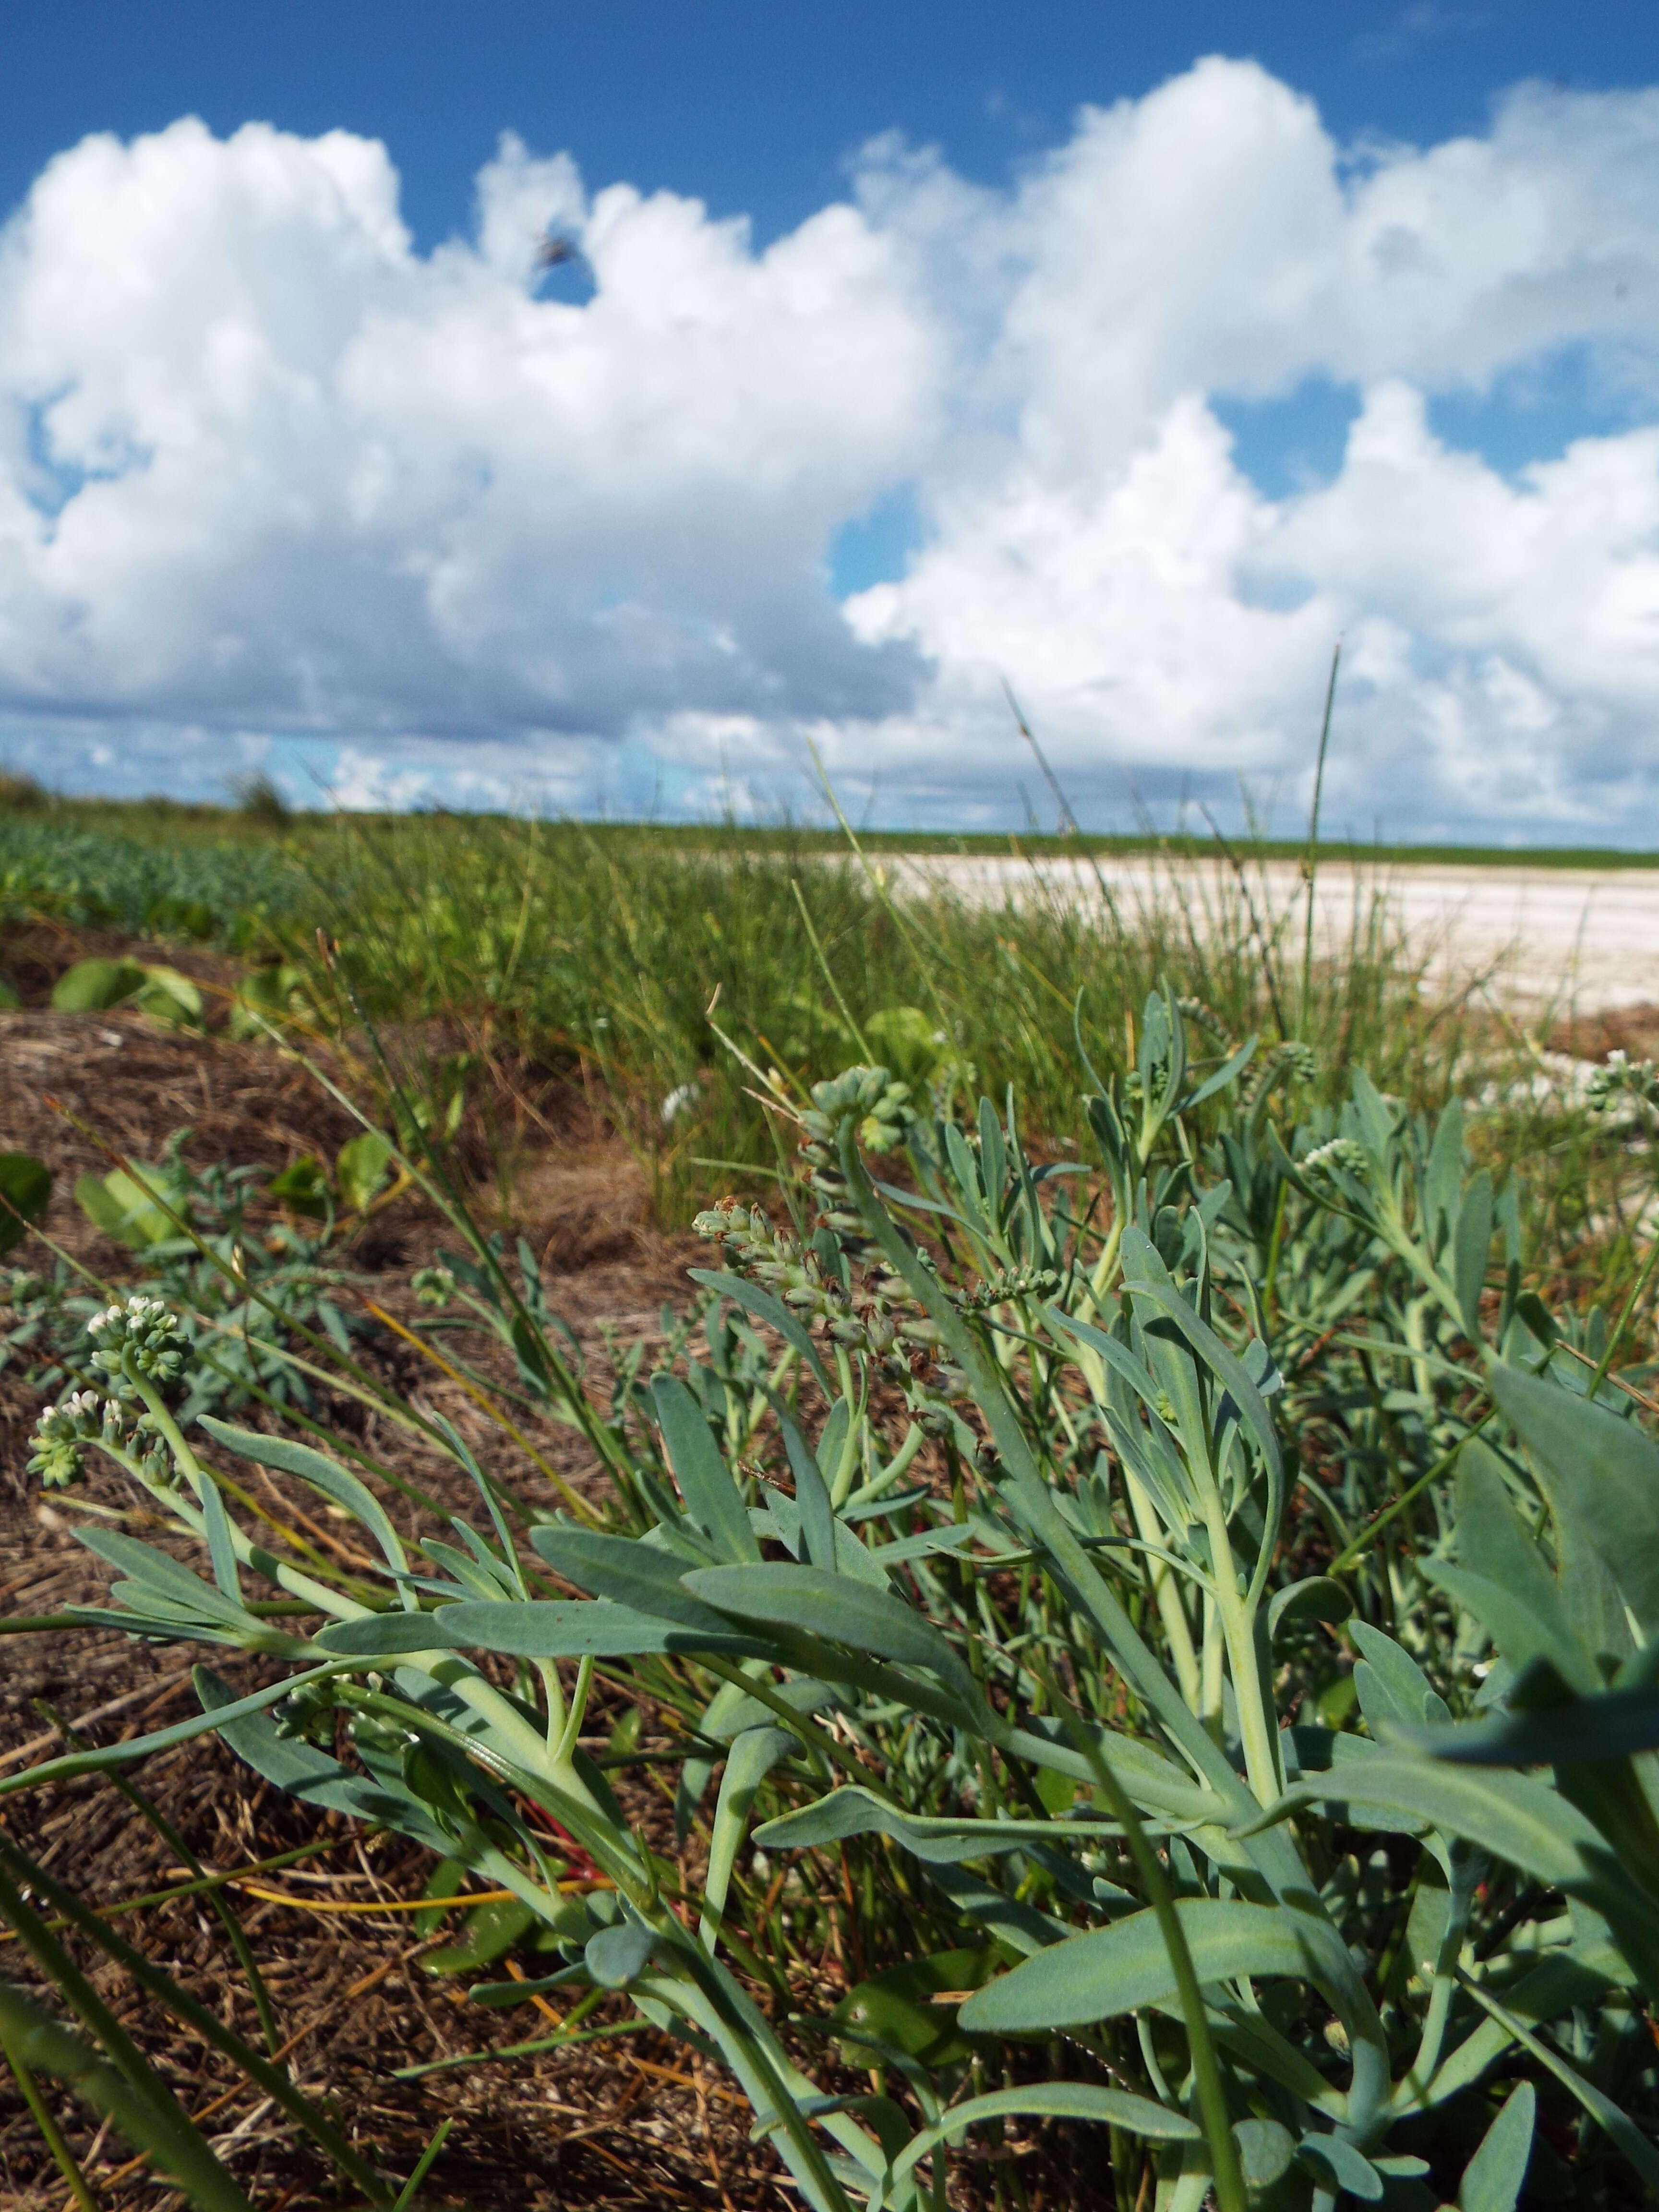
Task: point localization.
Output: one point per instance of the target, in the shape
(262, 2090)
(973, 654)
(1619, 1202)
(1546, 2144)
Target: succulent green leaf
(1504, 1579)
(1265, 2152)
(836, 1608)
(1393, 1688)
(123, 1208)
(1616, 1724)
(501, 1997)
(1067, 2100)
(853, 1811)
(362, 1168)
(712, 1496)
(1228, 1073)
(1127, 1966)
(1224, 1364)
(634, 1575)
(490, 1933)
(1320, 1597)
(750, 1759)
(616, 1956)
(1443, 1181)
(302, 1187)
(1339, 2165)
(900, 2010)
(816, 1516)
(538, 1628)
(220, 1548)
(771, 1311)
(1608, 1471)
(92, 987)
(336, 1483)
(1470, 1247)
(1493, 2177)
(1525, 1822)
(170, 999)
(153, 1569)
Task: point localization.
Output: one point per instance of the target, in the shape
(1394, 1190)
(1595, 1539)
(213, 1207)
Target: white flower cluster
(64, 1429)
(139, 1336)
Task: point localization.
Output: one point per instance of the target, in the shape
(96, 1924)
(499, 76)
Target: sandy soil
(1578, 940)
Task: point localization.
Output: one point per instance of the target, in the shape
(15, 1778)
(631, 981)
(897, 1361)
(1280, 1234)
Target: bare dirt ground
(632, 2123)
(1561, 941)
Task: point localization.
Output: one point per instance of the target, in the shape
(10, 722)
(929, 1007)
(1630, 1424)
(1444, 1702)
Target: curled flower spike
(1620, 1077)
(1288, 1062)
(881, 1110)
(881, 1106)
(828, 1283)
(1027, 1282)
(1344, 1152)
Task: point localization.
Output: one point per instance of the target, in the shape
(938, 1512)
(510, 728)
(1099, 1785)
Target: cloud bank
(271, 483)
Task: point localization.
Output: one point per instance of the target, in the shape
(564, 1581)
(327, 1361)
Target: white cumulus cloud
(267, 473)
(263, 466)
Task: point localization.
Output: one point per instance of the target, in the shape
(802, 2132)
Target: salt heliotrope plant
(1238, 1739)
(249, 1294)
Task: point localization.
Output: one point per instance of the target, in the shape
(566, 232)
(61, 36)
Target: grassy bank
(610, 952)
(626, 958)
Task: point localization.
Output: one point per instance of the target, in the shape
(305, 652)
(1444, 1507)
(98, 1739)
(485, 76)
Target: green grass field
(162, 821)
(601, 950)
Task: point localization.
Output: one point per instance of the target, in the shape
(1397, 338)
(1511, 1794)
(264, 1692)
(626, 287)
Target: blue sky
(755, 108)
(929, 417)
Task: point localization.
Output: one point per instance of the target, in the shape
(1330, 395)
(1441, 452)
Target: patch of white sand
(1585, 939)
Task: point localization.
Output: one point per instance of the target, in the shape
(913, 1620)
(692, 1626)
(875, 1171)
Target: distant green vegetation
(192, 888)
(260, 816)
(495, 950)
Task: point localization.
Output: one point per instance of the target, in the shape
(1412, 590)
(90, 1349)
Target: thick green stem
(1255, 1727)
(1207, 2069)
(1166, 1596)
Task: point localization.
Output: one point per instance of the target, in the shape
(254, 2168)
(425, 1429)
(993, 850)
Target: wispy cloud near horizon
(275, 485)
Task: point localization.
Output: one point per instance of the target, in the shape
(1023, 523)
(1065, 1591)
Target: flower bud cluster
(767, 1255)
(1346, 1154)
(64, 1430)
(433, 1286)
(878, 1318)
(1620, 1077)
(307, 1715)
(141, 1336)
(881, 1106)
(882, 1109)
(1027, 1282)
(1288, 1062)
(799, 1274)
(1205, 1018)
(84, 1417)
